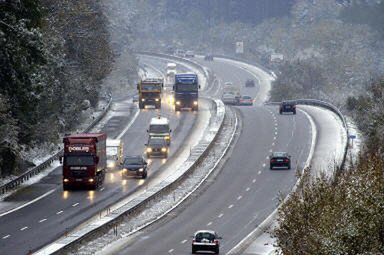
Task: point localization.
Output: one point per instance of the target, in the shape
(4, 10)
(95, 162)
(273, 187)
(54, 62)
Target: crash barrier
(104, 224)
(38, 169)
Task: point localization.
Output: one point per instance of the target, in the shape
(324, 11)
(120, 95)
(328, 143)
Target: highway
(246, 191)
(52, 212)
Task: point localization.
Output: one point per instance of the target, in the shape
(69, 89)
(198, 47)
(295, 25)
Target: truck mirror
(137, 86)
(147, 130)
(61, 159)
(146, 144)
(199, 87)
(170, 130)
(173, 87)
(97, 159)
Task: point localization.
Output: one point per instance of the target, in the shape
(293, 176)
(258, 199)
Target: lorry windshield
(158, 129)
(79, 161)
(187, 87)
(149, 87)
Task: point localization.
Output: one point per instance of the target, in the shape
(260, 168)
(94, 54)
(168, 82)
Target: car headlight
(149, 150)
(178, 102)
(66, 180)
(141, 169)
(91, 180)
(124, 170)
(163, 149)
(167, 137)
(157, 100)
(111, 165)
(195, 102)
(143, 99)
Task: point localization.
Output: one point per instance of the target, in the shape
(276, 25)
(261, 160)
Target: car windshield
(79, 161)
(158, 128)
(112, 151)
(132, 161)
(247, 97)
(279, 154)
(204, 235)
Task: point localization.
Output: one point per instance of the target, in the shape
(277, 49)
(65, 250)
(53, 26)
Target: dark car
(208, 57)
(280, 160)
(250, 83)
(287, 106)
(246, 100)
(157, 147)
(135, 166)
(206, 240)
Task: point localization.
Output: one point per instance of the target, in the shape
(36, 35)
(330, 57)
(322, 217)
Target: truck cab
(149, 91)
(114, 153)
(186, 91)
(159, 127)
(84, 160)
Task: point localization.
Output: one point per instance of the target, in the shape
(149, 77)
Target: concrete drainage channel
(110, 221)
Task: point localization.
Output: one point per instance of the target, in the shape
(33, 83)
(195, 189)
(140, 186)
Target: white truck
(114, 153)
(159, 127)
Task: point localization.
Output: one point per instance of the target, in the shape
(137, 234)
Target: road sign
(239, 47)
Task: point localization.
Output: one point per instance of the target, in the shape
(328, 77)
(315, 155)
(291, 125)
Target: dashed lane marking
(247, 189)
(102, 189)
(209, 223)
(264, 165)
(259, 172)
(230, 206)
(59, 212)
(184, 241)
(220, 215)
(239, 197)
(42, 220)
(74, 205)
(254, 180)
(7, 236)
(23, 228)
(171, 250)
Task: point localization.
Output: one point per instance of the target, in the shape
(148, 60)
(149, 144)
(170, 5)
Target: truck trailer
(84, 161)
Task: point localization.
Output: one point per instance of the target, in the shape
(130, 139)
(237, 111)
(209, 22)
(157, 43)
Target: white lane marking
(59, 212)
(129, 124)
(24, 228)
(102, 189)
(239, 197)
(270, 150)
(171, 250)
(74, 205)
(248, 188)
(230, 206)
(5, 237)
(275, 133)
(273, 144)
(259, 172)
(264, 165)
(184, 241)
(274, 138)
(220, 215)
(275, 124)
(254, 180)
(41, 221)
(209, 223)
(26, 204)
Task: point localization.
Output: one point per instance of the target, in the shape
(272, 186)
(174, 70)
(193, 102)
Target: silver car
(229, 99)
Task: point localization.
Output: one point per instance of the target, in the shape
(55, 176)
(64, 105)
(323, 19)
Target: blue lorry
(186, 91)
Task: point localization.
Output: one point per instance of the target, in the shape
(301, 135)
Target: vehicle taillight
(193, 240)
(273, 160)
(286, 160)
(216, 241)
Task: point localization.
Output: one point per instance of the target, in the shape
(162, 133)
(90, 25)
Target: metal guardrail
(38, 169)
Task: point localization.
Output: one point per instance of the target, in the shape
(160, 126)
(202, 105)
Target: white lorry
(159, 127)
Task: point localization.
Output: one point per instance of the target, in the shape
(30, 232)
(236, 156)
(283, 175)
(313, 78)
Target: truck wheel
(193, 251)
(177, 109)
(294, 112)
(217, 251)
(158, 106)
(144, 175)
(66, 187)
(141, 106)
(281, 112)
(195, 108)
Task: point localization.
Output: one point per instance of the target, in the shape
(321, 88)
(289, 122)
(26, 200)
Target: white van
(114, 152)
(159, 127)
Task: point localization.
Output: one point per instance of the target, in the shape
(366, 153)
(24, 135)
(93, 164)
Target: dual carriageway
(233, 202)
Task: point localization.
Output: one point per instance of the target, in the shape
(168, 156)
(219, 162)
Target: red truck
(84, 160)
